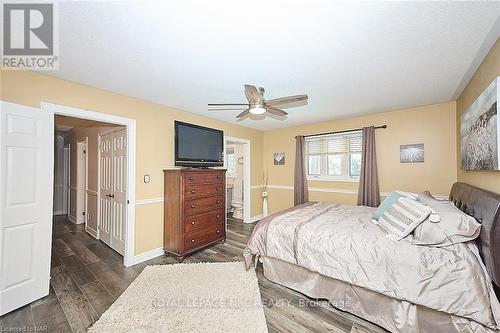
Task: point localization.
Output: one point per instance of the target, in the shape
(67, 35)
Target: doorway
(110, 213)
(237, 163)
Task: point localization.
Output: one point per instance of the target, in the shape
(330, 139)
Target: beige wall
(154, 137)
(486, 73)
(433, 125)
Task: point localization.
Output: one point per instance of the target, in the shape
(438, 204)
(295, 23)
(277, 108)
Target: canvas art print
(411, 153)
(479, 144)
(279, 158)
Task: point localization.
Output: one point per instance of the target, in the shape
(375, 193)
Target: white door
(119, 199)
(113, 190)
(105, 187)
(26, 183)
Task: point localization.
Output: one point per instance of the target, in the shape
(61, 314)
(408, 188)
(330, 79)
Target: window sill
(328, 179)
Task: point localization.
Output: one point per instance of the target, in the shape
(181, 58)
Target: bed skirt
(392, 314)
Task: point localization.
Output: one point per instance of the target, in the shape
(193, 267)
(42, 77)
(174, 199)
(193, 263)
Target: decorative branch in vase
(265, 207)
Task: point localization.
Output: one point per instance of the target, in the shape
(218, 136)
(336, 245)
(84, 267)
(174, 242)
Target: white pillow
(403, 217)
(455, 226)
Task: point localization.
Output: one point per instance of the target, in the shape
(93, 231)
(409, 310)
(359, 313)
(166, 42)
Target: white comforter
(339, 241)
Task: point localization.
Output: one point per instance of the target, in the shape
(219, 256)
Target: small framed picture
(279, 158)
(413, 153)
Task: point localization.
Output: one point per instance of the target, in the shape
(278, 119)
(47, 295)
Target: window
(334, 157)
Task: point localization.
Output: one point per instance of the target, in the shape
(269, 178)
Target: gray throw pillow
(454, 226)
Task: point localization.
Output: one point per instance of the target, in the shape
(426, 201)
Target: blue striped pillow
(403, 217)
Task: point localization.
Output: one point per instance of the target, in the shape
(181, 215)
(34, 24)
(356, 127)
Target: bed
(334, 252)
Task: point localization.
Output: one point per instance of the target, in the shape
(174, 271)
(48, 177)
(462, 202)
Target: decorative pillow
(392, 198)
(403, 217)
(455, 226)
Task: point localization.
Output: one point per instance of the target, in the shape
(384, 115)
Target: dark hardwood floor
(87, 277)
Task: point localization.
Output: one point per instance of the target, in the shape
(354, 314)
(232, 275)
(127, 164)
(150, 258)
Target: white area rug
(204, 297)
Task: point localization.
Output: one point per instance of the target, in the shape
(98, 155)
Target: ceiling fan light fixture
(258, 109)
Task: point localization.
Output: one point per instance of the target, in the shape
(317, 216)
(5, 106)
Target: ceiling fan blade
(275, 111)
(287, 99)
(226, 109)
(252, 94)
(243, 114)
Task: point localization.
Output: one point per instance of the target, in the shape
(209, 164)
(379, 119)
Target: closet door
(105, 187)
(113, 189)
(119, 200)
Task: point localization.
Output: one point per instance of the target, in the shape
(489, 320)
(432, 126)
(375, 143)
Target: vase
(265, 207)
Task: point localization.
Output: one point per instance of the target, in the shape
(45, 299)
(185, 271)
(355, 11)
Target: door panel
(119, 191)
(106, 155)
(113, 191)
(26, 183)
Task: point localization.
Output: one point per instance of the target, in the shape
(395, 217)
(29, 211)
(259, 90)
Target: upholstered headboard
(484, 206)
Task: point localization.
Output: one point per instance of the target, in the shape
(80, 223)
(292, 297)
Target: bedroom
(351, 82)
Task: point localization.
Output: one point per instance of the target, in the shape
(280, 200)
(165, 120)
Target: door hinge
(128, 202)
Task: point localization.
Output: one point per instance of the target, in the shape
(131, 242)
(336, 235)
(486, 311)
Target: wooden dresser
(194, 213)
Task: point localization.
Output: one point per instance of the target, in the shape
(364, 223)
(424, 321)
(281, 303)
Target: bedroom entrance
(237, 163)
(96, 172)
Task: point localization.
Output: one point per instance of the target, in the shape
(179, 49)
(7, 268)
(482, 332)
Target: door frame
(66, 179)
(130, 124)
(246, 174)
(82, 191)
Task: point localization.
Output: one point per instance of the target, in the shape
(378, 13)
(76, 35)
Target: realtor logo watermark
(30, 36)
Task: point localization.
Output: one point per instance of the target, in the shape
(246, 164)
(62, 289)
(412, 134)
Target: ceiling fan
(257, 103)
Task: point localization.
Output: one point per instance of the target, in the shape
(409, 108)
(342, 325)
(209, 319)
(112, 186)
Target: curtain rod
(345, 131)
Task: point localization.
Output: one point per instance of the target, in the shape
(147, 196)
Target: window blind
(343, 143)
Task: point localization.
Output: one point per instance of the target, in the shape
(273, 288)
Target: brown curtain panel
(368, 193)
(301, 193)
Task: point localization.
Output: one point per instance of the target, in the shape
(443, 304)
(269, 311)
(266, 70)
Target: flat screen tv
(198, 146)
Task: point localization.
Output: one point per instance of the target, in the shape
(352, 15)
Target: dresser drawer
(199, 223)
(202, 239)
(202, 190)
(194, 178)
(195, 206)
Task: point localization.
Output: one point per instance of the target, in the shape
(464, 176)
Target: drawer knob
(218, 201)
(218, 177)
(192, 191)
(192, 206)
(191, 178)
(218, 231)
(192, 240)
(193, 222)
(217, 188)
(218, 216)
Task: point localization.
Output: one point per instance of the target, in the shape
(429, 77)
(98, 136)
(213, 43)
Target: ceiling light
(257, 110)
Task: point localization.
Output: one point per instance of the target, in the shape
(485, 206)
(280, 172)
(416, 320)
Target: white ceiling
(351, 58)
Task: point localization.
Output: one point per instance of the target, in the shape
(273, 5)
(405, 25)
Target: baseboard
(147, 255)
(255, 218)
(58, 212)
(91, 232)
(72, 219)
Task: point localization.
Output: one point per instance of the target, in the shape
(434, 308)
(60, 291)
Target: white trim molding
(91, 231)
(332, 190)
(149, 201)
(130, 124)
(256, 218)
(148, 255)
